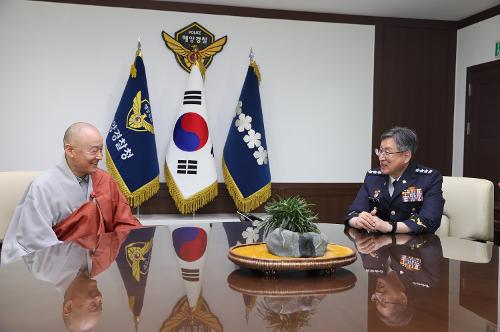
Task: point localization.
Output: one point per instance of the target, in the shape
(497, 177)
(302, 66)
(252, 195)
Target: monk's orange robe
(103, 248)
(106, 211)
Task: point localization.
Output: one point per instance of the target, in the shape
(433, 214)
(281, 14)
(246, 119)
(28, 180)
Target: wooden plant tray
(256, 256)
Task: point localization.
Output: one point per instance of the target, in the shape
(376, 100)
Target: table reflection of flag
(184, 317)
(190, 167)
(130, 144)
(245, 160)
(133, 262)
(190, 245)
(244, 232)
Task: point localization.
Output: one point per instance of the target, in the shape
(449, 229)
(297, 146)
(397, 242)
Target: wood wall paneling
(414, 86)
(330, 200)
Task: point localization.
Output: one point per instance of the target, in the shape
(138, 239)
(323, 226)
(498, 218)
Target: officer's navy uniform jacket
(417, 199)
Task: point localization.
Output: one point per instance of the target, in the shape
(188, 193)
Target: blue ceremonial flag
(245, 161)
(133, 261)
(130, 145)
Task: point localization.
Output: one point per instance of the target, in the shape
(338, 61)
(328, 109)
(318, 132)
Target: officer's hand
(364, 221)
(381, 225)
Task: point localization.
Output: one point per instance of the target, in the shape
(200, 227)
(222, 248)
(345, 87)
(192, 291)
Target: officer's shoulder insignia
(373, 172)
(423, 170)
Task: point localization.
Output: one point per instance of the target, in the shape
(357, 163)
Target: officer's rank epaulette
(423, 171)
(374, 172)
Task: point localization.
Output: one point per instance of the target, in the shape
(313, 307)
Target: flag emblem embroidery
(190, 132)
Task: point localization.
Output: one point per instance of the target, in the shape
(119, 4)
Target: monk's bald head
(83, 146)
(79, 131)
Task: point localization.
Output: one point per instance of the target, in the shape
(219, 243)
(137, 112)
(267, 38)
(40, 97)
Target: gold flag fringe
(245, 204)
(194, 202)
(139, 196)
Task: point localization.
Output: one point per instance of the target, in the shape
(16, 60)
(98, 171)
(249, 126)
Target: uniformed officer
(401, 196)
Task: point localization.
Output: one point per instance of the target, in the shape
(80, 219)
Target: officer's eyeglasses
(387, 154)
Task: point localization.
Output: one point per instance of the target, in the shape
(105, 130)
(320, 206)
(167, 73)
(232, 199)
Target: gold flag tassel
(245, 204)
(193, 203)
(137, 197)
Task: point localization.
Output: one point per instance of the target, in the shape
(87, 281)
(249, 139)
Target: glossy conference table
(178, 278)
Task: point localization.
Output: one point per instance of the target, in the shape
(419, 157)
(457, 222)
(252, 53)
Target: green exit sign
(497, 49)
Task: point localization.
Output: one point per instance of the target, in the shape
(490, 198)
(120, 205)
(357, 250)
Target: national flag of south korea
(190, 244)
(190, 167)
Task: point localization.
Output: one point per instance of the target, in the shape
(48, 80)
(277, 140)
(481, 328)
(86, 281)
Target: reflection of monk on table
(71, 267)
(72, 200)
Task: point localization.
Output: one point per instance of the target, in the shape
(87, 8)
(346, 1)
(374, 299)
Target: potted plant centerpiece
(290, 228)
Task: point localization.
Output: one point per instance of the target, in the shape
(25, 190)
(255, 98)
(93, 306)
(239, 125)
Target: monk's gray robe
(50, 198)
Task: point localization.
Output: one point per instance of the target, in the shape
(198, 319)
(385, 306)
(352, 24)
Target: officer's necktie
(392, 184)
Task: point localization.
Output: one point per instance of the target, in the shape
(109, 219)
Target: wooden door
(482, 123)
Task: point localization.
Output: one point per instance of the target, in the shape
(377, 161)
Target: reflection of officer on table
(405, 266)
(400, 196)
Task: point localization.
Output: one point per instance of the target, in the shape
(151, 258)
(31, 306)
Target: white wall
(62, 63)
(475, 45)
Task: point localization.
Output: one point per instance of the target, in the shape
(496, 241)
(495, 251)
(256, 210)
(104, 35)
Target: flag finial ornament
(251, 56)
(254, 65)
(139, 51)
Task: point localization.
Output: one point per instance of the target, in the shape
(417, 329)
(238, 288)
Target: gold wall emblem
(193, 43)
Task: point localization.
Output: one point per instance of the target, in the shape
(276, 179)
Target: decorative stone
(282, 242)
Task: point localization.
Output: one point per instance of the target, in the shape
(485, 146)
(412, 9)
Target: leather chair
(466, 250)
(13, 185)
(468, 208)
